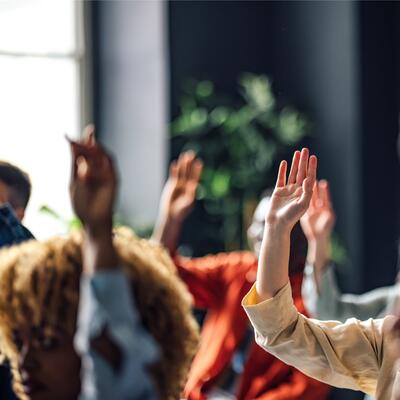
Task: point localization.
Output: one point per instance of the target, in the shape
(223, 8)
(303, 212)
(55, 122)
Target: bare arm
(177, 199)
(289, 202)
(317, 224)
(92, 189)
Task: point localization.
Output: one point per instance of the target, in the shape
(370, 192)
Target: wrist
(167, 231)
(277, 228)
(99, 231)
(99, 254)
(319, 254)
(173, 218)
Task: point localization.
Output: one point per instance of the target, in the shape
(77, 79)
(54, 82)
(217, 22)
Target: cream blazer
(355, 355)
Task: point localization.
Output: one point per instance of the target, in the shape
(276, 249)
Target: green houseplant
(239, 137)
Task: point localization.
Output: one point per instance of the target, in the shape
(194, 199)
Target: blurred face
(49, 365)
(298, 241)
(4, 193)
(5, 197)
(256, 229)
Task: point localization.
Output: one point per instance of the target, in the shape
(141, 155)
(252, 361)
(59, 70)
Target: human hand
(93, 184)
(291, 199)
(317, 224)
(289, 202)
(179, 192)
(319, 219)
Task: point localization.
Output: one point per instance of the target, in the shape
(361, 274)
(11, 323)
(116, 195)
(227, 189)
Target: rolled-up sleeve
(107, 305)
(343, 355)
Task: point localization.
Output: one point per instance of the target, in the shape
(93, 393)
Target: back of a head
(42, 279)
(18, 183)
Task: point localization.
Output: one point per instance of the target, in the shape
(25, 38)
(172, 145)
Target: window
(41, 59)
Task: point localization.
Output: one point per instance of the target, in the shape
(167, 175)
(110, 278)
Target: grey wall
(131, 100)
(321, 63)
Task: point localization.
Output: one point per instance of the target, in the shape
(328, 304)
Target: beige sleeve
(346, 355)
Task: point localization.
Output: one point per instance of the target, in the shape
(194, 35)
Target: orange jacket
(218, 283)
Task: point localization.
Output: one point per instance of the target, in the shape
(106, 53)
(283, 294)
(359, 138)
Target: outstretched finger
(294, 168)
(281, 180)
(196, 170)
(325, 193)
(302, 171)
(309, 183)
(188, 159)
(88, 135)
(307, 194)
(312, 170)
(173, 169)
(315, 196)
(181, 166)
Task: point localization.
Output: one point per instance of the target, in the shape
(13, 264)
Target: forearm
(98, 249)
(319, 255)
(167, 232)
(273, 265)
(316, 347)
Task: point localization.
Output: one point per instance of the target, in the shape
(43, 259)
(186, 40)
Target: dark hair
(18, 182)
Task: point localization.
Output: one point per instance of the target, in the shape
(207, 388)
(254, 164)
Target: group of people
(102, 314)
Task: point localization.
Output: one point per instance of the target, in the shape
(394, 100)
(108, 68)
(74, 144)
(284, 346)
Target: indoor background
(159, 77)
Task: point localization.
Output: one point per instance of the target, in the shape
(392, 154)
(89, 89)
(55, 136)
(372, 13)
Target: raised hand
(291, 198)
(317, 224)
(289, 202)
(177, 199)
(319, 219)
(179, 193)
(93, 183)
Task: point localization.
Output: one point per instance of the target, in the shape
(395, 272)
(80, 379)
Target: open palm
(319, 220)
(179, 193)
(291, 199)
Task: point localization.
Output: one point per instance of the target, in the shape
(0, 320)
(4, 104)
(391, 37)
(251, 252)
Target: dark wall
(379, 77)
(337, 62)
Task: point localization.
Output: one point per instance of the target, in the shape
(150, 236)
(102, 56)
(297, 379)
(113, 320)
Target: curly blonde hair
(41, 280)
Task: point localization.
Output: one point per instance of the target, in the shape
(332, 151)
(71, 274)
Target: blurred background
(242, 83)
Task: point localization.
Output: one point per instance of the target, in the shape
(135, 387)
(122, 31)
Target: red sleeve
(203, 278)
(298, 387)
(208, 277)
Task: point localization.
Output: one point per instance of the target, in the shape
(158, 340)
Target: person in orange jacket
(218, 284)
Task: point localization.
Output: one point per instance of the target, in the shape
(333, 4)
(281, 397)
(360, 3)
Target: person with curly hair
(15, 191)
(116, 296)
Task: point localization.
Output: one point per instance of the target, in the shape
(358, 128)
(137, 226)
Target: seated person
(15, 191)
(321, 292)
(218, 284)
(134, 312)
(354, 355)
(15, 188)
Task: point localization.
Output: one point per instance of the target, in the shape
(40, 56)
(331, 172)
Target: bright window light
(40, 101)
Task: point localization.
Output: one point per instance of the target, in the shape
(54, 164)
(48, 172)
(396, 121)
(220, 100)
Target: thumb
(82, 168)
